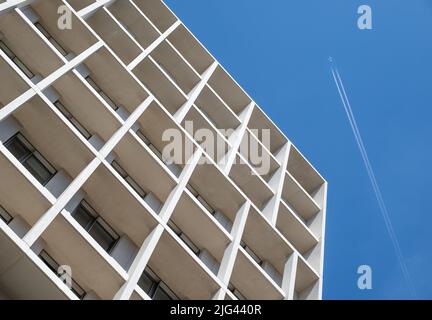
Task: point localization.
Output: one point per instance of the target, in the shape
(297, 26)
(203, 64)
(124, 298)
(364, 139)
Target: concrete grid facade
(84, 190)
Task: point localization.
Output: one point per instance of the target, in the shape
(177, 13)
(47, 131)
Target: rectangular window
(184, 237)
(54, 267)
(31, 159)
(101, 232)
(154, 287)
(235, 292)
(104, 96)
(201, 199)
(251, 253)
(16, 60)
(86, 134)
(149, 144)
(128, 179)
(53, 41)
(5, 216)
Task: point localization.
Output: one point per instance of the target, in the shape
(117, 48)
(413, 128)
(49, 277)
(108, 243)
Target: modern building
(90, 206)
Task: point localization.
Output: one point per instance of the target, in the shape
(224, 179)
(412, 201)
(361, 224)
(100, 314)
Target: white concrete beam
(228, 260)
(195, 92)
(153, 46)
(92, 8)
(236, 138)
(289, 276)
(276, 183)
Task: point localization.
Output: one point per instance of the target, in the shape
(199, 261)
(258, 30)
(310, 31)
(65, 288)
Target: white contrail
(375, 186)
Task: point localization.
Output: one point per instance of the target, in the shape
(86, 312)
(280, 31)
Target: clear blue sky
(278, 51)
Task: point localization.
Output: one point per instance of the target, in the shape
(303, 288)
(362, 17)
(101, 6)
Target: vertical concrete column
(317, 225)
(236, 138)
(195, 92)
(153, 46)
(289, 276)
(230, 254)
(276, 183)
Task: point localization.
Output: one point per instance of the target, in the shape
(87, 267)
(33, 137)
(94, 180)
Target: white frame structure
(160, 76)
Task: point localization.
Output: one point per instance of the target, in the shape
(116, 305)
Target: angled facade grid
(89, 206)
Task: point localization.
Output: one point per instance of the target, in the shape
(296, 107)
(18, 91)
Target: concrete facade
(83, 184)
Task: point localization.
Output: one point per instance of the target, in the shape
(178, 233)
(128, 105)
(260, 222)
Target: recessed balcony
(250, 182)
(229, 90)
(206, 134)
(202, 228)
(139, 164)
(294, 229)
(32, 206)
(44, 15)
(267, 246)
(218, 113)
(190, 48)
(159, 14)
(82, 107)
(116, 86)
(22, 276)
(306, 277)
(67, 244)
(80, 4)
(134, 22)
(175, 66)
(160, 132)
(11, 85)
(26, 49)
(52, 137)
(258, 124)
(247, 276)
(114, 36)
(221, 196)
(187, 280)
(116, 202)
(258, 156)
(159, 83)
(302, 171)
(298, 200)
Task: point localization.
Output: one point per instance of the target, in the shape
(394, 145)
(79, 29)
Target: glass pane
(17, 148)
(82, 216)
(119, 169)
(146, 283)
(23, 68)
(190, 244)
(101, 236)
(162, 294)
(253, 255)
(80, 128)
(42, 29)
(142, 137)
(6, 50)
(58, 46)
(37, 169)
(50, 262)
(136, 187)
(4, 215)
(62, 109)
(93, 84)
(108, 100)
(80, 293)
